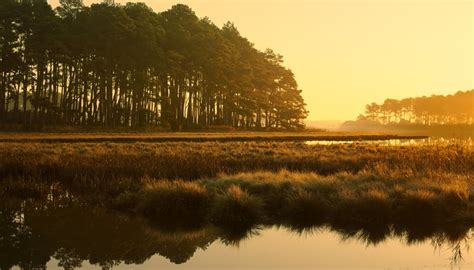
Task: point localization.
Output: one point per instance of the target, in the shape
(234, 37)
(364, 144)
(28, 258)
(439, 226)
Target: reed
(246, 184)
(111, 162)
(307, 199)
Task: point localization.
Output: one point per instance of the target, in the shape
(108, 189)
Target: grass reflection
(34, 232)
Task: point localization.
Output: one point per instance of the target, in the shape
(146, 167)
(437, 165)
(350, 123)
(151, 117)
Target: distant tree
(436, 109)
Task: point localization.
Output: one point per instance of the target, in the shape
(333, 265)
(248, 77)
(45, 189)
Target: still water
(432, 141)
(83, 238)
(277, 248)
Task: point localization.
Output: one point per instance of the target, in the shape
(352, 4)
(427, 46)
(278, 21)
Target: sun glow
(348, 53)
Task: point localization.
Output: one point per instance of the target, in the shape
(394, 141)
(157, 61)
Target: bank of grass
(303, 200)
(103, 165)
(234, 208)
(178, 203)
(241, 184)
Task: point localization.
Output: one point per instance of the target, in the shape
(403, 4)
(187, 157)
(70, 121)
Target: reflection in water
(432, 141)
(32, 234)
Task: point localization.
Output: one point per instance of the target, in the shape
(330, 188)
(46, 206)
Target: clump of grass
(358, 207)
(236, 209)
(304, 208)
(271, 188)
(419, 204)
(182, 204)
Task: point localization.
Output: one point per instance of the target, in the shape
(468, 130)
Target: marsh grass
(236, 209)
(250, 183)
(105, 163)
(182, 204)
(305, 208)
(375, 202)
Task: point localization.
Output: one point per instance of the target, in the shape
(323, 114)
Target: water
(70, 237)
(64, 234)
(432, 141)
(280, 249)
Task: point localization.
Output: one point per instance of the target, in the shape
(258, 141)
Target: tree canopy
(128, 66)
(436, 109)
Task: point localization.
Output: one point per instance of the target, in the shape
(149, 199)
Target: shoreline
(198, 137)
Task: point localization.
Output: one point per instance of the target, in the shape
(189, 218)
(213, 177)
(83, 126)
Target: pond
(71, 237)
(277, 248)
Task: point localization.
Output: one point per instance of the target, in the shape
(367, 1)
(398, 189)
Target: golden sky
(347, 53)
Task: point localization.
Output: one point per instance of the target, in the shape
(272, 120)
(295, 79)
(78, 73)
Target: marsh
(191, 204)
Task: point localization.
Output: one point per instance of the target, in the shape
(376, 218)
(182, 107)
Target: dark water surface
(71, 237)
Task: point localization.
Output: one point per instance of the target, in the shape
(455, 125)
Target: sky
(347, 53)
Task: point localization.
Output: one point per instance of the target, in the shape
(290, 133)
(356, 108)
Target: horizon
(418, 48)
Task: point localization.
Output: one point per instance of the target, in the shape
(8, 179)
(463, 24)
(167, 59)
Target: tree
(436, 109)
(113, 65)
(70, 8)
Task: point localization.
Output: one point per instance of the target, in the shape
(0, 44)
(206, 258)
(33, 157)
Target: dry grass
(179, 203)
(236, 209)
(103, 163)
(248, 183)
(361, 198)
(307, 199)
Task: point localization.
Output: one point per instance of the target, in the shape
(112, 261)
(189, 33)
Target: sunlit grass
(308, 199)
(179, 203)
(109, 161)
(251, 183)
(236, 208)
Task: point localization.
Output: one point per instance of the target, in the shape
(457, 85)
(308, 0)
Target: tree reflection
(32, 233)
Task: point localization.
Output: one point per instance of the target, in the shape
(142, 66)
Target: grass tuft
(236, 208)
(183, 204)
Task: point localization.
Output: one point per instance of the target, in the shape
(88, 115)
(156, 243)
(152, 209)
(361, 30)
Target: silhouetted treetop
(126, 65)
(436, 109)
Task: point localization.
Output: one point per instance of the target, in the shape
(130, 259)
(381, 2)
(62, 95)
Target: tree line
(436, 109)
(127, 66)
